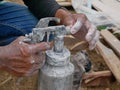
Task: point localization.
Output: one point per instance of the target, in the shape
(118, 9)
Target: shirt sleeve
(42, 8)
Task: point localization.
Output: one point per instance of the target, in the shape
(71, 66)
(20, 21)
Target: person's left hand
(82, 29)
(23, 59)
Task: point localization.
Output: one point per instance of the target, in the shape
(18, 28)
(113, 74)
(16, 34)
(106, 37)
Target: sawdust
(98, 63)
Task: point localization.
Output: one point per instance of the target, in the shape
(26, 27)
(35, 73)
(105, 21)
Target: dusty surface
(98, 63)
(8, 82)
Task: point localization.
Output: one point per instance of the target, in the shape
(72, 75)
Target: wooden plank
(113, 12)
(112, 41)
(111, 60)
(97, 74)
(99, 78)
(80, 46)
(76, 44)
(97, 18)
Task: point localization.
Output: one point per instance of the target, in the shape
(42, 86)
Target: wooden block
(99, 78)
(112, 41)
(111, 60)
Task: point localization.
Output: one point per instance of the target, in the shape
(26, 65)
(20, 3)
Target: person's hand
(23, 59)
(82, 29)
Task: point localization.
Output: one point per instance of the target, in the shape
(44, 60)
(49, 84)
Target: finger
(91, 33)
(68, 21)
(24, 41)
(39, 59)
(93, 42)
(33, 70)
(82, 17)
(21, 38)
(40, 47)
(88, 24)
(15, 71)
(31, 73)
(19, 62)
(76, 27)
(20, 65)
(27, 40)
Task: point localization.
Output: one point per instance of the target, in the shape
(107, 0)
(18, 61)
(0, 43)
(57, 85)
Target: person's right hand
(23, 59)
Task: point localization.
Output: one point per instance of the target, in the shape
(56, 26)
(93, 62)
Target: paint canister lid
(58, 59)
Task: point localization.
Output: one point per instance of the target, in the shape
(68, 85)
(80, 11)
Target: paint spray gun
(57, 72)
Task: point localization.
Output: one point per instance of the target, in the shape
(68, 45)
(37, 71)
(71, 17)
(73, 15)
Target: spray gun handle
(59, 32)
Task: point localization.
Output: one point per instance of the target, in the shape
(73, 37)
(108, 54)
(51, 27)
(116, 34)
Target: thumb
(68, 21)
(40, 47)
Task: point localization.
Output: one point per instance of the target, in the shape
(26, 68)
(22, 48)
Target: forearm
(42, 8)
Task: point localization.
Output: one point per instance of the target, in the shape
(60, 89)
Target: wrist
(62, 13)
